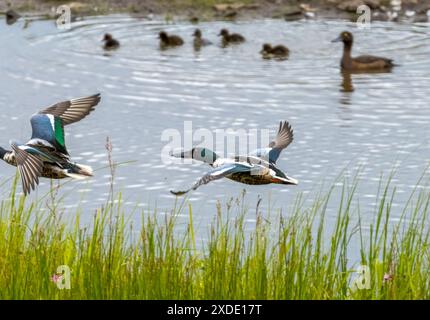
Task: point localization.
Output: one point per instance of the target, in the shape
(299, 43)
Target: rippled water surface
(382, 123)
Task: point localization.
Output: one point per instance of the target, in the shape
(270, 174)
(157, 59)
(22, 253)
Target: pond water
(369, 121)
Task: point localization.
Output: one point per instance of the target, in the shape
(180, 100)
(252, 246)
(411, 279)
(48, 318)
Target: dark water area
(371, 122)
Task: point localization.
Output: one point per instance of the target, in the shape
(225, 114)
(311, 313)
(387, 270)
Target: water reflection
(347, 85)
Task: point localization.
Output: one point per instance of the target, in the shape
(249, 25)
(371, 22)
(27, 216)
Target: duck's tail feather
(76, 176)
(85, 170)
(284, 180)
(79, 171)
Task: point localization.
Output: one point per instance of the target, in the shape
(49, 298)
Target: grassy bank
(204, 10)
(291, 256)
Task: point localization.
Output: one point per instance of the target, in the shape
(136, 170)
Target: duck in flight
(256, 168)
(363, 63)
(45, 154)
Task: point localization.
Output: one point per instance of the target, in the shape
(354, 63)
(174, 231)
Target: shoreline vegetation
(208, 10)
(293, 255)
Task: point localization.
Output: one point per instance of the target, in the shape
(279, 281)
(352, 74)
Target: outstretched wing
(30, 168)
(48, 124)
(48, 131)
(217, 173)
(283, 138)
(71, 111)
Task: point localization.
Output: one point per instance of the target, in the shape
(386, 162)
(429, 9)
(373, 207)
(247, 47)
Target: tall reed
(295, 255)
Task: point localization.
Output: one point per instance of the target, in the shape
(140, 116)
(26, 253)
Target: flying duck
(45, 154)
(256, 168)
(361, 63)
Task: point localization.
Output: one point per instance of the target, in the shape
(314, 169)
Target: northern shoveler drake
(230, 38)
(45, 154)
(199, 41)
(109, 42)
(361, 63)
(167, 41)
(256, 168)
(277, 52)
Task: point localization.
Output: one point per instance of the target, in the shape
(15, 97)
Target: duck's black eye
(203, 153)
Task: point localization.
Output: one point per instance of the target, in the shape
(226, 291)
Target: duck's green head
(201, 154)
